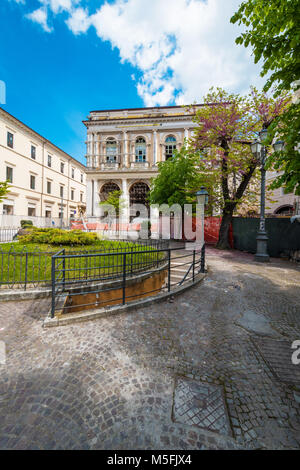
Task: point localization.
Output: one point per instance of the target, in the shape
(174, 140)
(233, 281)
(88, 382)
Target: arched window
(140, 150)
(170, 146)
(111, 150)
(138, 193)
(107, 188)
(285, 210)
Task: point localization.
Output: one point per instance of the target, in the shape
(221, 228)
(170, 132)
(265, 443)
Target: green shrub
(26, 223)
(55, 236)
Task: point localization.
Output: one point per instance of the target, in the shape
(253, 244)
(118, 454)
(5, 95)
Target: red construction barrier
(76, 226)
(211, 230)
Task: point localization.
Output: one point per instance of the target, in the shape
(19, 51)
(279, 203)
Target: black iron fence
(75, 277)
(27, 268)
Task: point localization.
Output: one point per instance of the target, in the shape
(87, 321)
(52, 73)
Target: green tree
(4, 189)
(115, 200)
(226, 127)
(287, 129)
(178, 179)
(272, 29)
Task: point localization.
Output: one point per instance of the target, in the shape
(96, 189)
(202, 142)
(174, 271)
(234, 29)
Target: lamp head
(255, 147)
(202, 196)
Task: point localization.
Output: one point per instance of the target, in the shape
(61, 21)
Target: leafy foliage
(4, 189)
(226, 127)
(287, 129)
(178, 179)
(115, 200)
(26, 223)
(272, 29)
(57, 237)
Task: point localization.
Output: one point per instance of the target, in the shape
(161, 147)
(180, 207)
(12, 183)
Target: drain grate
(278, 356)
(200, 404)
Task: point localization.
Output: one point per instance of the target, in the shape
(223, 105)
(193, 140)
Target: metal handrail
(123, 272)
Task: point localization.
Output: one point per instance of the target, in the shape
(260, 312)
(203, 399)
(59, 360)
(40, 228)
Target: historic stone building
(46, 184)
(124, 147)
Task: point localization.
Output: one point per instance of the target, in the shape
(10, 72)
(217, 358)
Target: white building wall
(21, 196)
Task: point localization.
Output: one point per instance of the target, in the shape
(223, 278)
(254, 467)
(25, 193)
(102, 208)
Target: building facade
(283, 203)
(124, 147)
(46, 184)
(280, 201)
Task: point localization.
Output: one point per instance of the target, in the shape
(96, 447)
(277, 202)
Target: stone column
(124, 163)
(96, 150)
(92, 150)
(89, 198)
(132, 151)
(154, 148)
(88, 149)
(96, 199)
(186, 133)
(125, 197)
(100, 151)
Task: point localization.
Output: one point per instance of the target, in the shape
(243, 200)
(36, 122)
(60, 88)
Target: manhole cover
(200, 404)
(278, 356)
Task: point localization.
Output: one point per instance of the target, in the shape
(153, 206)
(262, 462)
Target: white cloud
(40, 16)
(79, 21)
(58, 6)
(180, 48)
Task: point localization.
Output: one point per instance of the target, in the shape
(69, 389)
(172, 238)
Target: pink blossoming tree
(227, 124)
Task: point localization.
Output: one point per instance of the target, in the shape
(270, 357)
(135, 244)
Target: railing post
(202, 267)
(64, 268)
(124, 279)
(194, 256)
(53, 286)
(26, 269)
(169, 269)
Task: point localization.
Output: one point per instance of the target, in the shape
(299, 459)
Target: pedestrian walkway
(209, 369)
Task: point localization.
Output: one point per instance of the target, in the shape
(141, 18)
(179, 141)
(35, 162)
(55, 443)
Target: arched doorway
(107, 188)
(138, 193)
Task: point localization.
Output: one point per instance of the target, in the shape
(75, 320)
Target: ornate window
(170, 146)
(140, 150)
(111, 150)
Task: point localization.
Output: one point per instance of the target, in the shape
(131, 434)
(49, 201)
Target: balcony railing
(134, 163)
(104, 162)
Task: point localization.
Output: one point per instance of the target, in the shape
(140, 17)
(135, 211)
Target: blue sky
(61, 59)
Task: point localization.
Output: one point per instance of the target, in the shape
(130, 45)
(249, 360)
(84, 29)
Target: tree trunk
(223, 242)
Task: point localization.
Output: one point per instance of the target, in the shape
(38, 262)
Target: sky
(61, 59)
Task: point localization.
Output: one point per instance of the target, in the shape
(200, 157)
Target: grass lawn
(31, 263)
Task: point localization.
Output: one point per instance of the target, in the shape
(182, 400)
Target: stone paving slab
(109, 383)
(278, 355)
(200, 404)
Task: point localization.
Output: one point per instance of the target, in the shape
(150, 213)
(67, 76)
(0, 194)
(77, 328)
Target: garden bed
(29, 265)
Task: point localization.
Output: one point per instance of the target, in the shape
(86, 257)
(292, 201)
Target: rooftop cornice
(143, 120)
(157, 108)
(35, 134)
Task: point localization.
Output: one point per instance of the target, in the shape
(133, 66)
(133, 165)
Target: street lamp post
(259, 149)
(202, 196)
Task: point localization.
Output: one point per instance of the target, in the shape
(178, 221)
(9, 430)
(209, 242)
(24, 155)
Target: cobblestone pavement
(110, 383)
